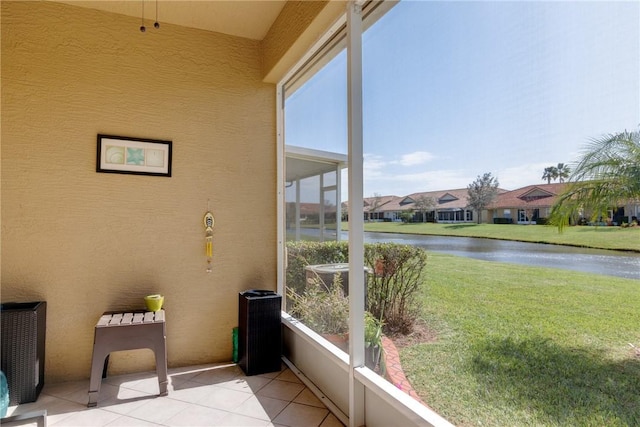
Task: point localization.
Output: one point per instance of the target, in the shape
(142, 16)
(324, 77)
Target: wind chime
(156, 24)
(208, 236)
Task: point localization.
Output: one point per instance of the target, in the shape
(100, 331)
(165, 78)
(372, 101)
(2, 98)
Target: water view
(597, 261)
(607, 262)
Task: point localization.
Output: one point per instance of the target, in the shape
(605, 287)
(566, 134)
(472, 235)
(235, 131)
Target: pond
(598, 261)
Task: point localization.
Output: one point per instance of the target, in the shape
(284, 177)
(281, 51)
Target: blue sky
(456, 89)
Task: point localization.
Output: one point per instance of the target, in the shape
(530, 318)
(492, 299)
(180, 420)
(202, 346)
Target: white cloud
(519, 176)
(415, 158)
(390, 176)
(402, 184)
(373, 166)
(385, 182)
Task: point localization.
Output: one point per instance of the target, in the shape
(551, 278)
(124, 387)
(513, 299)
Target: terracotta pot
(341, 341)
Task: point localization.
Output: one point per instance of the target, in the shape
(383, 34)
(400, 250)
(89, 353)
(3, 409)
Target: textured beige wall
(88, 242)
(297, 28)
(295, 17)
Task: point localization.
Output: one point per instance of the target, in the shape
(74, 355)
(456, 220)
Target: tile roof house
(449, 206)
(532, 204)
(525, 205)
(374, 207)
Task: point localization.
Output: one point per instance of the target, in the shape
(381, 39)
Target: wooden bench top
(130, 318)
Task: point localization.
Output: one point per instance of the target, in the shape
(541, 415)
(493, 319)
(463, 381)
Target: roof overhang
(303, 163)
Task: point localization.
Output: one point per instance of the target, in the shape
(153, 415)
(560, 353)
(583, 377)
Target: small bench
(128, 331)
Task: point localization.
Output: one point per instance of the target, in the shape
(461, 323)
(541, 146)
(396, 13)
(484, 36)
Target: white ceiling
(243, 18)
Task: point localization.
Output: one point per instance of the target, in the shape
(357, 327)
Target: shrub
(323, 309)
(503, 220)
(392, 289)
(300, 254)
(397, 273)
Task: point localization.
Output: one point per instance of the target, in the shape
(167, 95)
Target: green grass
(593, 237)
(521, 345)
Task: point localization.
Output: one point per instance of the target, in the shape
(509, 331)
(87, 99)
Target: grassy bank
(520, 345)
(593, 237)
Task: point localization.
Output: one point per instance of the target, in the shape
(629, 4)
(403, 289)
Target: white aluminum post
(339, 204)
(356, 220)
(297, 238)
(282, 227)
(321, 209)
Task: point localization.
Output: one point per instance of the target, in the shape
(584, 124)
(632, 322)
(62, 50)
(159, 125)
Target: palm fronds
(607, 175)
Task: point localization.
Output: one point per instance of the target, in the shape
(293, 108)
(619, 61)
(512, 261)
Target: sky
(452, 90)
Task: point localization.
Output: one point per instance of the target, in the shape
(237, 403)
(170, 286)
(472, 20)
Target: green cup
(154, 302)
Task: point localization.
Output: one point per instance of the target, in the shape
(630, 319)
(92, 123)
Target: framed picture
(138, 156)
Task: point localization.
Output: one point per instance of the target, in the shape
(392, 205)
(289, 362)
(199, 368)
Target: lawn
(519, 345)
(586, 236)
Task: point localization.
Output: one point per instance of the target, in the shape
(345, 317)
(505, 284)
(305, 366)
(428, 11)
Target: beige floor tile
(218, 374)
(297, 415)
(306, 397)
(158, 410)
(223, 399)
(274, 374)
(265, 408)
(282, 390)
(125, 401)
(288, 375)
(205, 395)
(78, 391)
(147, 385)
(196, 415)
(247, 384)
(129, 380)
(188, 372)
(87, 418)
(125, 421)
(57, 408)
(191, 392)
(331, 421)
(241, 420)
(63, 389)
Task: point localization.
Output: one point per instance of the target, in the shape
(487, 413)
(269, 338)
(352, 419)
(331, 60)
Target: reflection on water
(598, 261)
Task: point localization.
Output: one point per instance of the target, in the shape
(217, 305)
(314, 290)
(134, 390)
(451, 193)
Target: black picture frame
(134, 156)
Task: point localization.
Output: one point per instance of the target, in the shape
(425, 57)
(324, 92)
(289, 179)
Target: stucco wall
(297, 28)
(89, 242)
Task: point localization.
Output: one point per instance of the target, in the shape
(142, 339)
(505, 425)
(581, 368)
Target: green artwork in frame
(137, 156)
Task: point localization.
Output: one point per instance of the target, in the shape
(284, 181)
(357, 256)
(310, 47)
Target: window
(314, 115)
(469, 216)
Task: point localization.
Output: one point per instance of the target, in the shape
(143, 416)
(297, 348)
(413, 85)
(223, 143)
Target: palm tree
(607, 175)
(562, 171)
(550, 173)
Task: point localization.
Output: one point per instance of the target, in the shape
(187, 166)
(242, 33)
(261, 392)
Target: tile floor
(211, 395)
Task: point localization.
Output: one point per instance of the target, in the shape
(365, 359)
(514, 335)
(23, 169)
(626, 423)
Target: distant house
(526, 205)
(532, 204)
(449, 206)
(374, 207)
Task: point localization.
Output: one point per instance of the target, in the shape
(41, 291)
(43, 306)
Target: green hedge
(397, 272)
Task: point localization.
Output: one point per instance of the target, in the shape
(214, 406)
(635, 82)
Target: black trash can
(23, 340)
(259, 332)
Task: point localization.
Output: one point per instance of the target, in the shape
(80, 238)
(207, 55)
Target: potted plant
(372, 340)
